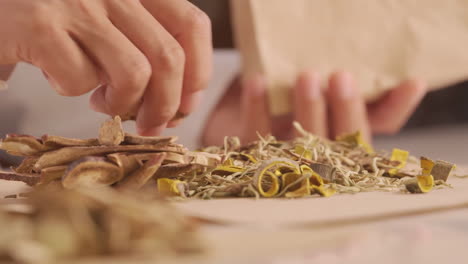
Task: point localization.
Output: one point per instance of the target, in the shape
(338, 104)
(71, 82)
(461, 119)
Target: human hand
(149, 57)
(340, 109)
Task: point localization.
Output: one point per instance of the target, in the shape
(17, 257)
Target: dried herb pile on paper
(305, 166)
(58, 225)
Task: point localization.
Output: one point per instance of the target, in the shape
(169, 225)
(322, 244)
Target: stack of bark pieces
(115, 158)
(64, 226)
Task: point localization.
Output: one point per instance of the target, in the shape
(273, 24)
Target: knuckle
(172, 58)
(41, 13)
(137, 76)
(198, 20)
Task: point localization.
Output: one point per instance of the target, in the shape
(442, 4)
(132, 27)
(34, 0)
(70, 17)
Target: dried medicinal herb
(63, 225)
(111, 132)
(268, 168)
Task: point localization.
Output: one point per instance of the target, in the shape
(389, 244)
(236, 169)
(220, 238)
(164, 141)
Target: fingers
(389, 114)
(125, 67)
(192, 29)
(347, 107)
(309, 104)
(163, 94)
(254, 113)
(70, 71)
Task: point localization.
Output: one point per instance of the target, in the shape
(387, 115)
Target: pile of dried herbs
(58, 225)
(307, 165)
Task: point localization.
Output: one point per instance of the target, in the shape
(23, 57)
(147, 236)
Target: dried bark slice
(170, 157)
(442, 170)
(21, 145)
(51, 174)
(66, 155)
(29, 179)
(27, 165)
(111, 132)
(91, 172)
(128, 163)
(57, 141)
(141, 176)
(325, 171)
(140, 140)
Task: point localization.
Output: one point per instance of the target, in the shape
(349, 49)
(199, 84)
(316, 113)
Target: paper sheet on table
(381, 42)
(338, 210)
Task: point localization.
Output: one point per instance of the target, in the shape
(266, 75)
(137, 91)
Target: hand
(149, 57)
(340, 109)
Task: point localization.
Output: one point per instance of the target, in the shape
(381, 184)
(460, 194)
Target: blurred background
(437, 129)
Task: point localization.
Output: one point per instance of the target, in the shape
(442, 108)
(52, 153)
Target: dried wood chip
(27, 165)
(56, 141)
(442, 170)
(29, 179)
(24, 146)
(420, 184)
(66, 155)
(141, 176)
(140, 140)
(111, 132)
(128, 163)
(91, 172)
(325, 171)
(51, 174)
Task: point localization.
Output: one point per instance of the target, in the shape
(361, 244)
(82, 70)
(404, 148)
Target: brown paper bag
(381, 42)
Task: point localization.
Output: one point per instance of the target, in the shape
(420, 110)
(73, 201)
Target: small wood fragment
(91, 172)
(29, 179)
(111, 132)
(141, 176)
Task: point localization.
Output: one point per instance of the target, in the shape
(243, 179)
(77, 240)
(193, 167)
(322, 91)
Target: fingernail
(153, 131)
(344, 85)
(97, 102)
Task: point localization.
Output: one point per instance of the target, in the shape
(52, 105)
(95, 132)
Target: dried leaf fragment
(300, 189)
(111, 132)
(426, 165)
(171, 187)
(356, 139)
(401, 156)
(91, 172)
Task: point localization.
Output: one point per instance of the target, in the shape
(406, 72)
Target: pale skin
(148, 58)
(328, 112)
